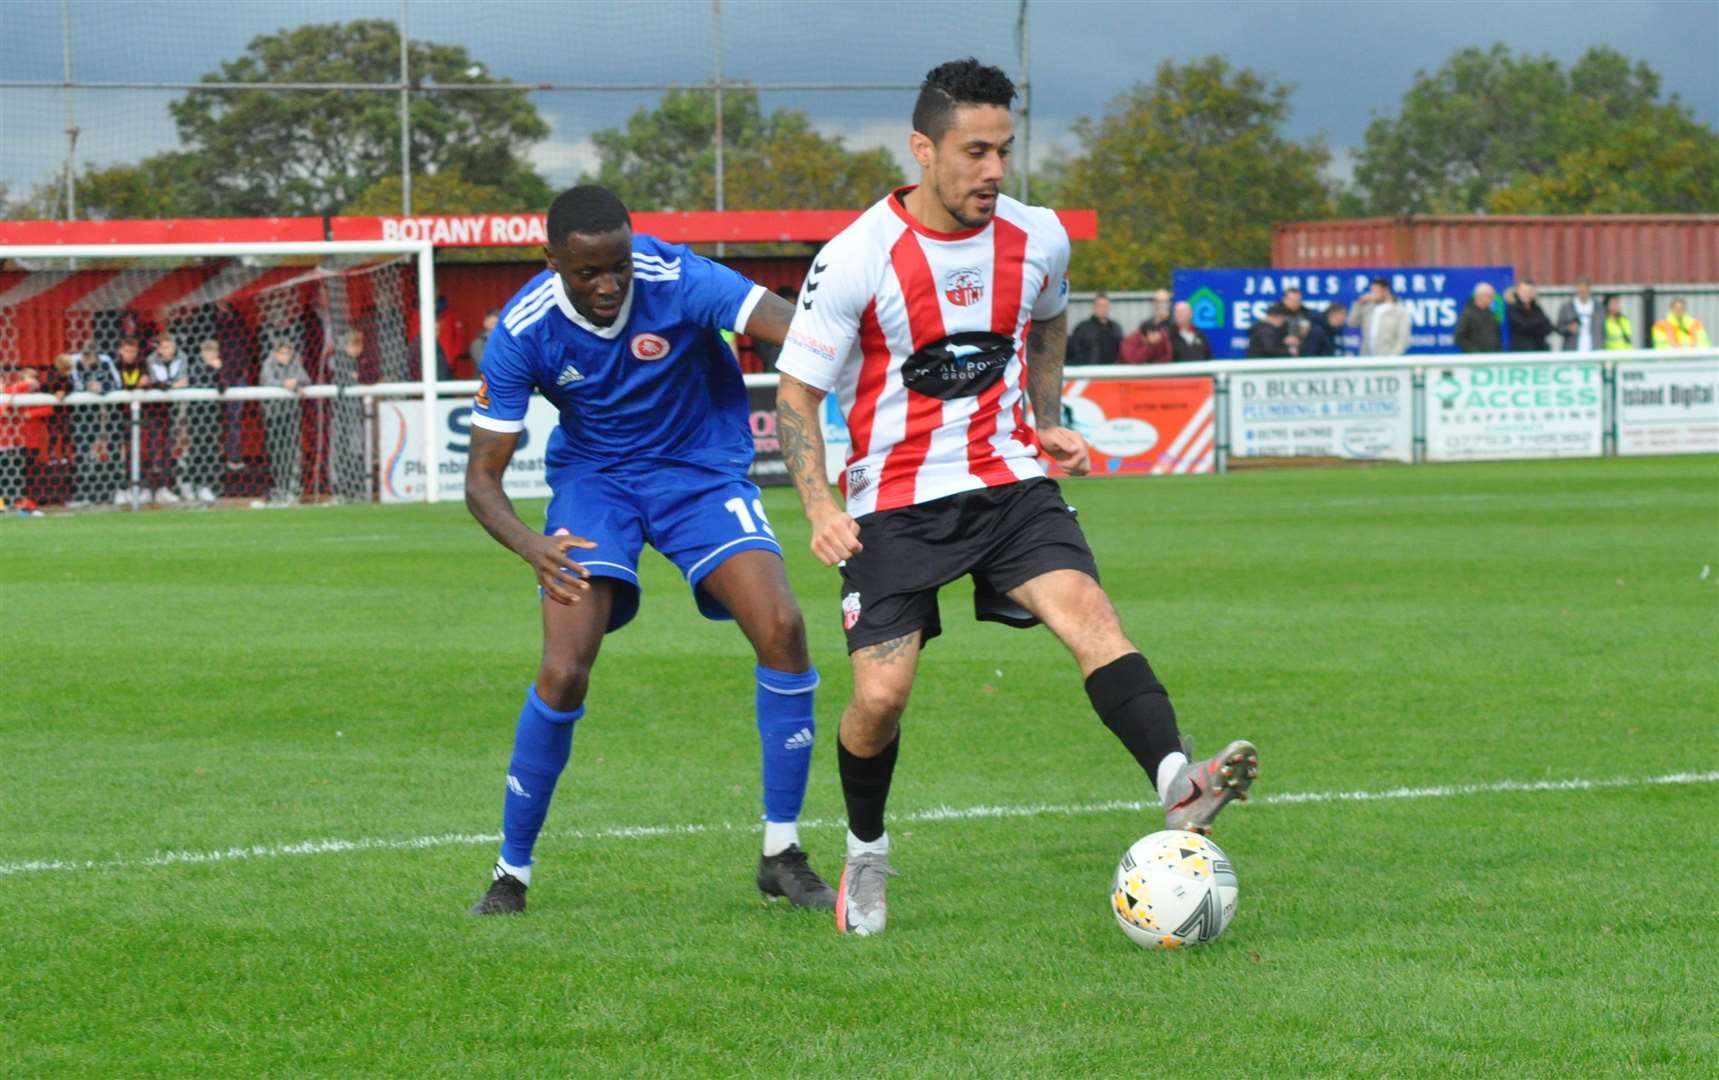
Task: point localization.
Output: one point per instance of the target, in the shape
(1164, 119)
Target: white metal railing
(1220, 371)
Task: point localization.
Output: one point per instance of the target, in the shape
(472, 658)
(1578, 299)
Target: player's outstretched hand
(835, 535)
(1067, 448)
(564, 580)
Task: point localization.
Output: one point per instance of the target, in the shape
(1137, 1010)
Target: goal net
(179, 376)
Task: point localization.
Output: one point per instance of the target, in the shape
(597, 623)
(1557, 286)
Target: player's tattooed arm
(769, 320)
(835, 534)
(1047, 345)
(563, 580)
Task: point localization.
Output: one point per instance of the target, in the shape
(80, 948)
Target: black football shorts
(1003, 536)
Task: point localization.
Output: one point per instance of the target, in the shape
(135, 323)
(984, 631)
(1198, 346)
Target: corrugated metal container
(1604, 247)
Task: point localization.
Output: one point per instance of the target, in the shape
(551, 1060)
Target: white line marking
(935, 813)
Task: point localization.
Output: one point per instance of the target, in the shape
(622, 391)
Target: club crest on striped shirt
(964, 286)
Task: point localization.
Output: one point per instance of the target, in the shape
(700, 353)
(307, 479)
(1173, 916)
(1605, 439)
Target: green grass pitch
(202, 682)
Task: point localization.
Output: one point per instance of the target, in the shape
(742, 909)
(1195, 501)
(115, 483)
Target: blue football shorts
(698, 518)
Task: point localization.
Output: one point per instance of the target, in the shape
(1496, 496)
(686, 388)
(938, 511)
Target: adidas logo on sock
(517, 788)
(800, 740)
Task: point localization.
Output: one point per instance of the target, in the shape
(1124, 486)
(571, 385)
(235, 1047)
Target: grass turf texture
(205, 680)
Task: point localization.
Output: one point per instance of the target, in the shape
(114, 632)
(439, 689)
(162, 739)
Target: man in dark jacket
(1187, 341)
(1324, 329)
(1477, 328)
(1097, 339)
(1529, 326)
(1270, 338)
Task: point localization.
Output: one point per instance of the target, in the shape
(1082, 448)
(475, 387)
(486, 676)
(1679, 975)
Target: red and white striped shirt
(921, 334)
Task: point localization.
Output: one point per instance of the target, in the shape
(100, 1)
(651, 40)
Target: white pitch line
(930, 814)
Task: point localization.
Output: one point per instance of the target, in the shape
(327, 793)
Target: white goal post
(60, 300)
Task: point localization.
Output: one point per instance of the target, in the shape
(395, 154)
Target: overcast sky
(1347, 61)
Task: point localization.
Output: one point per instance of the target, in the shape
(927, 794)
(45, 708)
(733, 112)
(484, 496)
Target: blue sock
(786, 730)
(541, 746)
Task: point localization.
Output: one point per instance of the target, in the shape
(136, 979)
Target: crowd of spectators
(198, 451)
(1382, 326)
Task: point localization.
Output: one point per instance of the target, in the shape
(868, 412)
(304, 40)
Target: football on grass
(1173, 889)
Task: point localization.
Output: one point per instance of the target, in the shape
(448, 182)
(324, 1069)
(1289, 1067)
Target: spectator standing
(1297, 319)
(283, 368)
(450, 332)
(481, 342)
(1325, 330)
(348, 476)
(1679, 329)
(1385, 324)
(133, 375)
(1147, 345)
(1162, 310)
(94, 428)
(200, 469)
(1477, 327)
(1270, 337)
(1618, 330)
(14, 450)
(57, 380)
(1529, 326)
(1097, 340)
(1579, 319)
(1187, 341)
(166, 372)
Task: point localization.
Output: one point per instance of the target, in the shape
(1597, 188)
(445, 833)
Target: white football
(1172, 889)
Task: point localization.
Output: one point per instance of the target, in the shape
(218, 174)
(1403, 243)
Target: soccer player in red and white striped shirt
(934, 318)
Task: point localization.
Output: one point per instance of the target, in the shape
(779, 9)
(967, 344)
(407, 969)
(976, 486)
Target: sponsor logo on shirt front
(964, 287)
(650, 346)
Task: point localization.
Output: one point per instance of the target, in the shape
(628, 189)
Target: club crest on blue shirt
(650, 346)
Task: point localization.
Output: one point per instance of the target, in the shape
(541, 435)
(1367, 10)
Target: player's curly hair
(587, 208)
(956, 83)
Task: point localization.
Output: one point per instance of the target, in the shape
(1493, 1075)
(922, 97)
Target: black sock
(1134, 704)
(865, 787)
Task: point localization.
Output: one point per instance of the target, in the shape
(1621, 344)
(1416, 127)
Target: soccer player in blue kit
(622, 334)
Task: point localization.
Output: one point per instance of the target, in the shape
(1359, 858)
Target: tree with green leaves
(1190, 169)
(1494, 131)
(262, 152)
(665, 158)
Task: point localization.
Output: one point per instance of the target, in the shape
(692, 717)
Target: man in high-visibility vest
(1680, 330)
(1619, 331)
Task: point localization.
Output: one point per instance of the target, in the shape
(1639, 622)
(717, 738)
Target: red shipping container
(1634, 249)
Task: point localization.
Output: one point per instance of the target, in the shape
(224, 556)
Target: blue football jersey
(660, 383)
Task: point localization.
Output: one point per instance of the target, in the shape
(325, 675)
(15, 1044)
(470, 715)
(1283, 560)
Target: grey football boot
(1202, 788)
(860, 905)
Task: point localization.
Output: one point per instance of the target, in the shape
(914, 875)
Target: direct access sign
(1360, 415)
(1228, 302)
(1514, 411)
(1154, 426)
(1668, 407)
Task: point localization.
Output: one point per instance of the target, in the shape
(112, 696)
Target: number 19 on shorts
(737, 507)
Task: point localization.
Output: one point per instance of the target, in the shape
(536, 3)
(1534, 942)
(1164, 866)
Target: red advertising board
(1153, 426)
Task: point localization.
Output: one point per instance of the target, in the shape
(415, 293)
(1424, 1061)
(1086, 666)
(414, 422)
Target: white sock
(523, 873)
(856, 846)
(1167, 772)
(779, 836)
